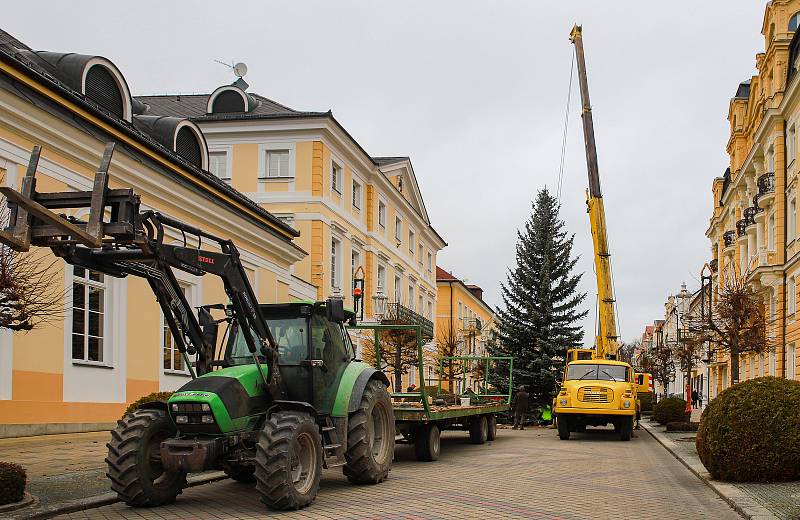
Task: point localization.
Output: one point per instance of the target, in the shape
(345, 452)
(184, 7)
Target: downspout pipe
(785, 248)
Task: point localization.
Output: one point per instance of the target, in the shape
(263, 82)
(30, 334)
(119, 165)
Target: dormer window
(188, 146)
(230, 99)
(102, 88)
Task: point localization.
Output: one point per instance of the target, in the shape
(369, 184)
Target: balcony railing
(397, 314)
(729, 238)
(766, 184)
(741, 227)
(749, 215)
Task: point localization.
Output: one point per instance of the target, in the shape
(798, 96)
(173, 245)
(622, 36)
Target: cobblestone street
(528, 474)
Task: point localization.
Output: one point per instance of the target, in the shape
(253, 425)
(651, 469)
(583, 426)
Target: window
(382, 214)
(277, 164)
(460, 312)
(88, 314)
(793, 22)
(772, 362)
(355, 263)
(420, 304)
(336, 262)
(218, 165)
(430, 263)
(173, 359)
(411, 297)
(398, 228)
(356, 195)
(791, 362)
(761, 361)
(336, 178)
(421, 255)
(411, 241)
(791, 144)
(382, 279)
(792, 231)
(792, 296)
(771, 232)
(398, 281)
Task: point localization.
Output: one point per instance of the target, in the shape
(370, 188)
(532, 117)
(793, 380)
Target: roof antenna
(239, 70)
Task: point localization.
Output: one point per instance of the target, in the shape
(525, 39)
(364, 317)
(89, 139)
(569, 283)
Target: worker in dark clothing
(694, 398)
(520, 408)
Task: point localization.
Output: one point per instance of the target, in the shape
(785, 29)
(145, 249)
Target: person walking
(520, 409)
(694, 398)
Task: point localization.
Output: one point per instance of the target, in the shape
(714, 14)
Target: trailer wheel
(478, 430)
(134, 460)
(491, 433)
(563, 427)
(626, 429)
(370, 437)
(288, 462)
(427, 443)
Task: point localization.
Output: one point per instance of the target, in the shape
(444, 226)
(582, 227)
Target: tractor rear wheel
(134, 460)
(288, 462)
(370, 437)
(478, 430)
(563, 427)
(491, 434)
(427, 443)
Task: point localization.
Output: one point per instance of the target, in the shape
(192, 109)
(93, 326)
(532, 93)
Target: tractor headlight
(182, 419)
(207, 419)
(206, 407)
(626, 404)
(563, 401)
(174, 407)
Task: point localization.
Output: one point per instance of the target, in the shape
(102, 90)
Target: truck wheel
(427, 443)
(491, 433)
(241, 473)
(626, 429)
(288, 462)
(134, 460)
(370, 437)
(563, 427)
(478, 430)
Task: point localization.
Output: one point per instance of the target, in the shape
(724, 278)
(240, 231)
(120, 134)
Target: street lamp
(379, 303)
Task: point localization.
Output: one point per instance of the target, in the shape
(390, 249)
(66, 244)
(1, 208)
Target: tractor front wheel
(370, 437)
(134, 460)
(288, 462)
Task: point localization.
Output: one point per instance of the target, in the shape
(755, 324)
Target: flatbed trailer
(420, 418)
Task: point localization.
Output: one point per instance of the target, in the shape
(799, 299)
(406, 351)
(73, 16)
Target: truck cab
(596, 392)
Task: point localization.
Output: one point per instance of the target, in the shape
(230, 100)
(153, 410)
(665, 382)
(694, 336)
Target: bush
(12, 483)
(682, 426)
(671, 409)
(646, 401)
(155, 396)
(751, 432)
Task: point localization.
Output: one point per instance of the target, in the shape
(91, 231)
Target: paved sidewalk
(752, 500)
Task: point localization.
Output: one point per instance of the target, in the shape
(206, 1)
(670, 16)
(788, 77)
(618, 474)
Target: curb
(27, 500)
(103, 500)
(736, 498)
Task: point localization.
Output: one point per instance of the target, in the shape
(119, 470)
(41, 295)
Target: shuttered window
(102, 88)
(188, 147)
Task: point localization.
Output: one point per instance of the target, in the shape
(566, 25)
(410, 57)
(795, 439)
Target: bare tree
(398, 353)
(627, 351)
(447, 347)
(737, 322)
(31, 293)
(663, 366)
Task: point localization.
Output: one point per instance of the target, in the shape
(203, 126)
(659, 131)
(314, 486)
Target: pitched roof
(194, 106)
(444, 276)
(382, 161)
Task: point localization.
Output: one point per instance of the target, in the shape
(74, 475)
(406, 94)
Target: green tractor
(338, 413)
(274, 401)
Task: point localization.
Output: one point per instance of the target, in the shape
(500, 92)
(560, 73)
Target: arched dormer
(228, 99)
(97, 78)
(179, 135)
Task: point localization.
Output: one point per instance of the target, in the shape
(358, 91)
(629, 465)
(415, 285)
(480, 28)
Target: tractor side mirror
(334, 308)
(210, 327)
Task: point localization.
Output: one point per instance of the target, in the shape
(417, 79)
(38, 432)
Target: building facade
(753, 226)
(354, 211)
(111, 346)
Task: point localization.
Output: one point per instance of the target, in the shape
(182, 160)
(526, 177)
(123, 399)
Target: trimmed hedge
(671, 409)
(12, 483)
(155, 396)
(646, 401)
(751, 432)
(683, 426)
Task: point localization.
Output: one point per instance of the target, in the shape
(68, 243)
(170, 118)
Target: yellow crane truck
(597, 389)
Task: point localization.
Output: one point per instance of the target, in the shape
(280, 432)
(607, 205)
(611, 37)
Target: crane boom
(606, 341)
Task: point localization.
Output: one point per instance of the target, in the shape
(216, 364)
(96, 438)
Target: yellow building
(352, 209)
(464, 322)
(109, 349)
(753, 228)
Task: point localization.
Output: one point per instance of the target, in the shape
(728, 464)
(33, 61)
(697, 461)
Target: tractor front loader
(274, 401)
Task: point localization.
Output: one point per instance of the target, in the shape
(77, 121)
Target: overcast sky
(475, 93)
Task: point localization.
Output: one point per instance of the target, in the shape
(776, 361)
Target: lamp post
(680, 309)
(379, 303)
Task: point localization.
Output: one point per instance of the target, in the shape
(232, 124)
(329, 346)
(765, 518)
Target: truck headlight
(563, 401)
(626, 404)
(182, 419)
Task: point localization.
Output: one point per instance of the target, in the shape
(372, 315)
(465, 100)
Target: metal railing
(766, 184)
(741, 227)
(729, 238)
(398, 314)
